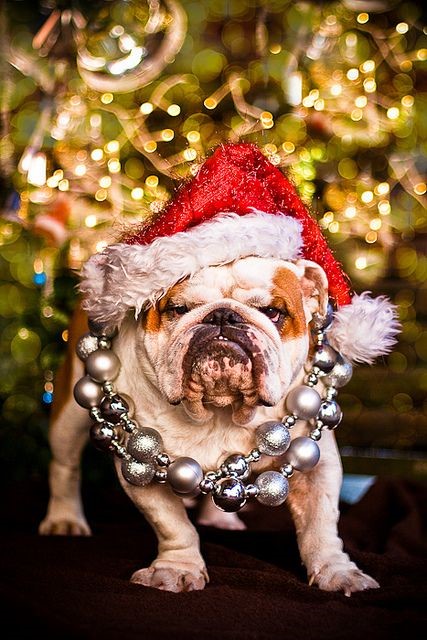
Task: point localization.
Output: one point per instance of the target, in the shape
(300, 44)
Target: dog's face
(233, 335)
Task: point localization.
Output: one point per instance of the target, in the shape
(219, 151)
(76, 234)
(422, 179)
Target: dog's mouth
(223, 366)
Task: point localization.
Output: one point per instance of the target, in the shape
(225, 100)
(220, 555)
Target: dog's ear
(314, 285)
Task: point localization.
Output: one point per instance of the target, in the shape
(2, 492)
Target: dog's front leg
(179, 565)
(313, 501)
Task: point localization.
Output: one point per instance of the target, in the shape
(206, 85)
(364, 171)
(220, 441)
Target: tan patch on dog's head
(152, 319)
(286, 294)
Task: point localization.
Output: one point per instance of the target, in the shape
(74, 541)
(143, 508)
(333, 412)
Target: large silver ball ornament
(184, 475)
(303, 454)
(102, 434)
(272, 438)
(273, 488)
(229, 495)
(103, 365)
(324, 358)
(113, 408)
(88, 393)
(144, 444)
(304, 402)
(86, 345)
(138, 473)
(340, 374)
(330, 414)
(235, 465)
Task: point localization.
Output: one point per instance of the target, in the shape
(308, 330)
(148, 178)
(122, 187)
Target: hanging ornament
(140, 51)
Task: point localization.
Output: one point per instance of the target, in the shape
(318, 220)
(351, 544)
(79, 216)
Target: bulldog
(214, 319)
(211, 361)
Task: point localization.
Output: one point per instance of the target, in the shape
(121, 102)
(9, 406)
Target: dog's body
(211, 361)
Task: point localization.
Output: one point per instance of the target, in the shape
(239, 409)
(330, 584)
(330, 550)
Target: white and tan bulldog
(213, 312)
(214, 359)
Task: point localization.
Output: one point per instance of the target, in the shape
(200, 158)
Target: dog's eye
(272, 313)
(177, 310)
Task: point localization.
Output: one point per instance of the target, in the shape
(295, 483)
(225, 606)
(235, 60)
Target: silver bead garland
(143, 460)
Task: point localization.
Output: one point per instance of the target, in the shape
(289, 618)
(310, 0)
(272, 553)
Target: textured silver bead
(88, 393)
(184, 475)
(330, 414)
(144, 444)
(102, 434)
(304, 402)
(340, 374)
(273, 488)
(113, 408)
(103, 365)
(230, 495)
(272, 438)
(235, 465)
(86, 345)
(303, 454)
(324, 358)
(138, 473)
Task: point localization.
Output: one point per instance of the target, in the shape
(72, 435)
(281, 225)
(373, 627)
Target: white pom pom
(365, 329)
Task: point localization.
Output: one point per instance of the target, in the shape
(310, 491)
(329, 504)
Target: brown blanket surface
(79, 588)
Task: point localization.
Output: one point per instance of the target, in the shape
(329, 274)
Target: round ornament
(330, 414)
(321, 322)
(304, 402)
(340, 374)
(272, 487)
(303, 454)
(88, 393)
(138, 473)
(103, 365)
(184, 475)
(229, 495)
(86, 345)
(102, 434)
(113, 408)
(235, 465)
(144, 444)
(324, 358)
(272, 438)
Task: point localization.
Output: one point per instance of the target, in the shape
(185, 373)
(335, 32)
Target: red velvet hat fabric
(239, 178)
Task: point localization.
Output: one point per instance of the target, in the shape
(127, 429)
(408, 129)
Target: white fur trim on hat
(365, 329)
(125, 276)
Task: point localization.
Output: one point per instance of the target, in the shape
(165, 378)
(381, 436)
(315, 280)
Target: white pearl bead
(304, 402)
(303, 454)
(103, 365)
(88, 393)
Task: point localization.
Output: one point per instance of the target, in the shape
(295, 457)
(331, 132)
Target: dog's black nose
(223, 316)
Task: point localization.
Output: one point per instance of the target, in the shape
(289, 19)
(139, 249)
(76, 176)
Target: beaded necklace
(142, 455)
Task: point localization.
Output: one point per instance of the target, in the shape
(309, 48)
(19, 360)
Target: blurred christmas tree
(105, 105)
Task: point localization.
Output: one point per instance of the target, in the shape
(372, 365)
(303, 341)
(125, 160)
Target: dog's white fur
(152, 376)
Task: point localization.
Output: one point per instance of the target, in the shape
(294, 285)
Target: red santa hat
(237, 205)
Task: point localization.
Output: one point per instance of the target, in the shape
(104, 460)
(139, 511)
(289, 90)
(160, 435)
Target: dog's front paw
(174, 578)
(64, 527)
(342, 576)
